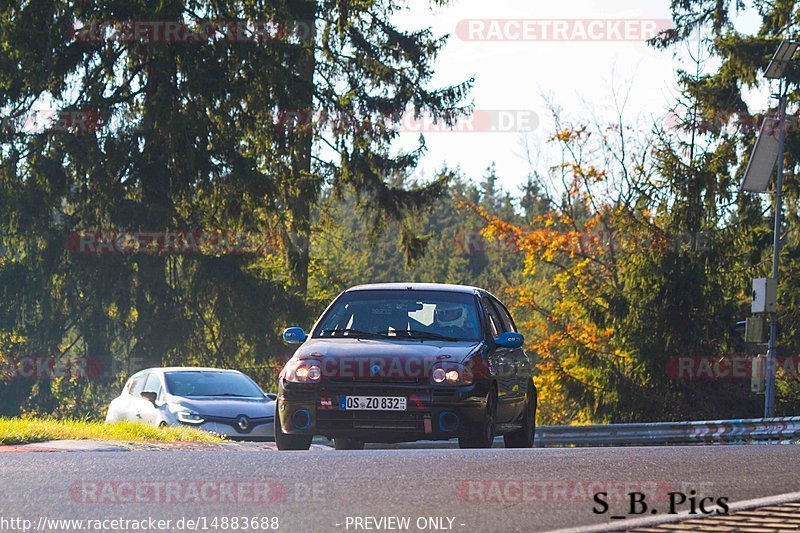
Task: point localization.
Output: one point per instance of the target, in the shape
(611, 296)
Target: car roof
(186, 369)
(443, 287)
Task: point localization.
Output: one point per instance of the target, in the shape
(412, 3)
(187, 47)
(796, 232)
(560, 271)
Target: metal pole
(769, 399)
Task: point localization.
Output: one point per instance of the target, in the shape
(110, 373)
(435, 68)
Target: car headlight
(302, 371)
(451, 374)
(189, 417)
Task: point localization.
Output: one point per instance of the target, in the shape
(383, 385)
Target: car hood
(228, 407)
(382, 360)
(379, 348)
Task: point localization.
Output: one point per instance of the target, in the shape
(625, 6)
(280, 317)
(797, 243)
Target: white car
(225, 402)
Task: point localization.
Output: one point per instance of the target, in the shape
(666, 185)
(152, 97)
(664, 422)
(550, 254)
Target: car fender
(112, 416)
(167, 416)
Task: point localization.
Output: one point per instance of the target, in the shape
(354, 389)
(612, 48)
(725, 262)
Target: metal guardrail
(655, 433)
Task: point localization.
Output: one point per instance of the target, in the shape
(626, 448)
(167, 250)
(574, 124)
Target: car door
(130, 398)
(520, 364)
(145, 410)
(501, 361)
(148, 412)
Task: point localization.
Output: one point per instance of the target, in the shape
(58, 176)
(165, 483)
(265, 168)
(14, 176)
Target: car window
(137, 385)
(505, 316)
(495, 324)
(402, 313)
(152, 384)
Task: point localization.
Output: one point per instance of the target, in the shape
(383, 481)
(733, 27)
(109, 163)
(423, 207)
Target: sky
(580, 75)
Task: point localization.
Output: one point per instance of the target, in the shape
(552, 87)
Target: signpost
(767, 151)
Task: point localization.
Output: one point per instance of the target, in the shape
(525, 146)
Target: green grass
(27, 430)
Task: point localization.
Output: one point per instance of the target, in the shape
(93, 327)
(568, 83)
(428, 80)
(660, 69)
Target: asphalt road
(326, 491)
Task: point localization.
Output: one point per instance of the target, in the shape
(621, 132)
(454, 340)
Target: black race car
(404, 362)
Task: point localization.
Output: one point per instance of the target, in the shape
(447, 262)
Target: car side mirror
(510, 339)
(294, 336)
(272, 396)
(149, 396)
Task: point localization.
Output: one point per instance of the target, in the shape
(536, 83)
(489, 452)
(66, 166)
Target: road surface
(380, 489)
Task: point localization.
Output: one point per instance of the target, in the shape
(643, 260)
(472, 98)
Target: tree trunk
(153, 325)
(304, 192)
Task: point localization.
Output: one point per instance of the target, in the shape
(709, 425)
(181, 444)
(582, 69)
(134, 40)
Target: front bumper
(259, 429)
(432, 413)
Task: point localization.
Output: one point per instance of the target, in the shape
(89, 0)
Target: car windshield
(223, 384)
(407, 314)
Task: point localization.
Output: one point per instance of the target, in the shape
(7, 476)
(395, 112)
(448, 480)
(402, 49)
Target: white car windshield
(204, 383)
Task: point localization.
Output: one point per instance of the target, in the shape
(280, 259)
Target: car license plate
(372, 403)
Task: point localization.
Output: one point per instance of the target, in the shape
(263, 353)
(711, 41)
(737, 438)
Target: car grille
(234, 422)
(375, 420)
(374, 389)
(444, 395)
(374, 379)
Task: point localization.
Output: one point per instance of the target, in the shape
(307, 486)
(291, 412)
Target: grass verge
(28, 430)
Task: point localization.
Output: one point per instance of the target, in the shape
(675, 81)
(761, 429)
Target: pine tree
(208, 134)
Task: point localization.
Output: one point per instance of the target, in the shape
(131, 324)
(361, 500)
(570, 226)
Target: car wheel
(284, 441)
(523, 437)
(483, 436)
(341, 443)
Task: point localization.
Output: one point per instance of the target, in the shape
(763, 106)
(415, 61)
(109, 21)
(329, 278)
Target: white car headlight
(189, 417)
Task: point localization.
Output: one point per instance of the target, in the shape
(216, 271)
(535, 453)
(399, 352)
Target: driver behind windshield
(454, 320)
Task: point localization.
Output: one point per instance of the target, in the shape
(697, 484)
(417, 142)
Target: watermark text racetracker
(201, 31)
(147, 523)
(565, 492)
(722, 368)
(39, 121)
(158, 242)
(598, 496)
(123, 492)
(35, 367)
(177, 491)
(88, 121)
(474, 242)
(371, 368)
(478, 121)
(591, 30)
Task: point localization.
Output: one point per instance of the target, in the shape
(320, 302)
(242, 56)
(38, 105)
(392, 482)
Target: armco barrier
(655, 433)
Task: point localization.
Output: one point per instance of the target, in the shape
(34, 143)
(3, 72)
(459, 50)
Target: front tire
(483, 437)
(341, 443)
(523, 437)
(284, 441)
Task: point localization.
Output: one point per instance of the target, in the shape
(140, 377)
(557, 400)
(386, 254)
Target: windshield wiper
(231, 394)
(415, 333)
(354, 333)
